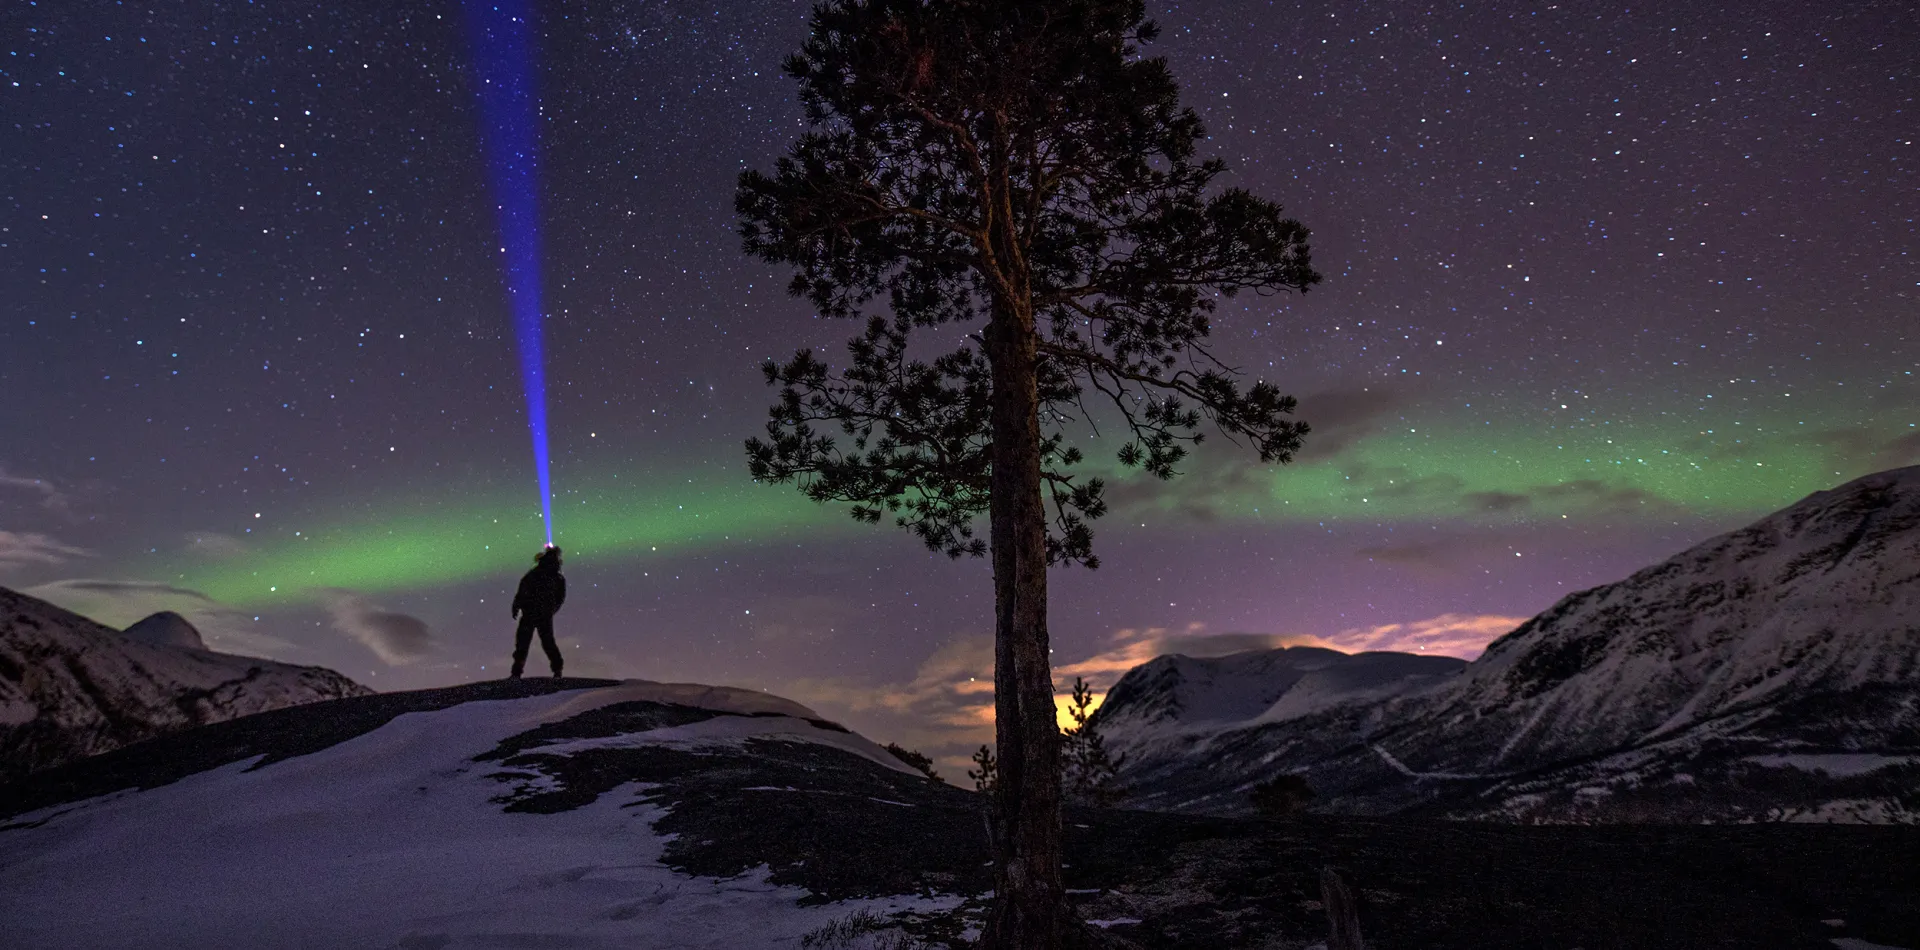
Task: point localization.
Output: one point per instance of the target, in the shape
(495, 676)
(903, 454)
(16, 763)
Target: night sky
(1600, 284)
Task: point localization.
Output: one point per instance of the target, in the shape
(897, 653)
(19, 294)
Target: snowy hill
(1772, 673)
(70, 687)
(591, 813)
(436, 819)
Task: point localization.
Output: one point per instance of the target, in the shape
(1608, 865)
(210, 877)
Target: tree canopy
(967, 155)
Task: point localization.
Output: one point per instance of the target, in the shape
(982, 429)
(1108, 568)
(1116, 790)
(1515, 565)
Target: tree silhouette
(913, 758)
(1090, 775)
(1282, 796)
(1013, 179)
(985, 773)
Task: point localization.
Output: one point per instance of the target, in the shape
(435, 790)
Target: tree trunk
(1029, 909)
(1343, 916)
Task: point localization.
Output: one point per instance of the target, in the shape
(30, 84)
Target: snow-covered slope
(1168, 716)
(1772, 673)
(70, 687)
(552, 814)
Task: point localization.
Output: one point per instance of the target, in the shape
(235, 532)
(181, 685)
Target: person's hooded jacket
(541, 592)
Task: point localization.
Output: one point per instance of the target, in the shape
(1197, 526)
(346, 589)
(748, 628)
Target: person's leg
(522, 639)
(547, 644)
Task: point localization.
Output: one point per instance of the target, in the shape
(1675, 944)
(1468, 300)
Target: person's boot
(556, 673)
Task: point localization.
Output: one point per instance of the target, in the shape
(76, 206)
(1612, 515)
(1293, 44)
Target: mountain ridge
(1717, 672)
(70, 687)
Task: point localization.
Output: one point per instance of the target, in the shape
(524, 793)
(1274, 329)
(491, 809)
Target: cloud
(1134, 647)
(814, 618)
(18, 549)
(123, 589)
(945, 689)
(1450, 551)
(1442, 491)
(1904, 450)
(1218, 477)
(1461, 635)
(119, 604)
(51, 497)
(1447, 554)
(396, 638)
(1595, 495)
(214, 546)
(1341, 417)
(1497, 501)
(1452, 634)
(1221, 477)
(945, 710)
(1865, 448)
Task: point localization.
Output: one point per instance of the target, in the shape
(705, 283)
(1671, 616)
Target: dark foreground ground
(841, 826)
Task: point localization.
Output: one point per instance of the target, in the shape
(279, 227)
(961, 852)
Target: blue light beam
(499, 35)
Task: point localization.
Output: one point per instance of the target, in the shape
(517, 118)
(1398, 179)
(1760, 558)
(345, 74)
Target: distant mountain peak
(70, 687)
(167, 629)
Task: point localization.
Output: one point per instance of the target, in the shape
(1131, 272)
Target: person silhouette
(541, 593)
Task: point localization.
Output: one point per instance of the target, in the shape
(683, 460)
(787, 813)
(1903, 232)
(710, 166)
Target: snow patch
(755, 716)
(391, 838)
(1834, 764)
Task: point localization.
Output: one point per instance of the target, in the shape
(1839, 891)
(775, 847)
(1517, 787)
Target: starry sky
(1600, 283)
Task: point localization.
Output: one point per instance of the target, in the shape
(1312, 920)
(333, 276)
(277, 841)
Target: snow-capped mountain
(70, 687)
(1171, 715)
(1771, 673)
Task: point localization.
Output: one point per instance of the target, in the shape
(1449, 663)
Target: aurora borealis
(1600, 283)
(1552, 471)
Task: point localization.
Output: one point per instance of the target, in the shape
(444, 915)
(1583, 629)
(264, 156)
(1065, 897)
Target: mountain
(70, 687)
(1768, 674)
(592, 813)
(1170, 715)
(167, 628)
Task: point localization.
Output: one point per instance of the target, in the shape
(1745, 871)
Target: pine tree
(1018, 171)
(984, 773)
(1090, 774)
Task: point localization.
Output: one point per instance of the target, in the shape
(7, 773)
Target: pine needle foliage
(1090, 775)
(985, 772)
(963, 155)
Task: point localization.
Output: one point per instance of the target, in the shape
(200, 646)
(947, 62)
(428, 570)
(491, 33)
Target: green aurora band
(1476, 472)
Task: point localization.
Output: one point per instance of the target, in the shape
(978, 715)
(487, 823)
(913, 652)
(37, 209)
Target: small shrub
(915, 759)
(860, 930)
(1089, 775)
(987, 771)
(1282, 797)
